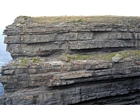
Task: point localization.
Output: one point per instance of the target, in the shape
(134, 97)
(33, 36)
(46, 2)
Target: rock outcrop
(72, 61)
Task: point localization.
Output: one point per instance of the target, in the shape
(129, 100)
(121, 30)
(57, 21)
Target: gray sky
(10, 9)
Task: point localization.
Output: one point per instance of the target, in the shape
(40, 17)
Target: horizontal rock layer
(31, 39)
(72, 82)
(41, 75)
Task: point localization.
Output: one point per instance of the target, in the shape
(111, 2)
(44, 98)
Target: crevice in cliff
(35, 99)
(92, 82)
(48, 53)
(20, 46)
(132, 98)
(100, 50)
(135, 39)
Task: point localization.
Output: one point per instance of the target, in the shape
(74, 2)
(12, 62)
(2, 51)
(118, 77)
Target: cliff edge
(72, 61)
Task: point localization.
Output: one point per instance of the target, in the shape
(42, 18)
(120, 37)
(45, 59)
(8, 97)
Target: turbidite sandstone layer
(72, 61)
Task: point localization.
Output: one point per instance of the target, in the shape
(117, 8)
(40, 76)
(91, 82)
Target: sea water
(1, 85)
(4, 59)
(1, 89)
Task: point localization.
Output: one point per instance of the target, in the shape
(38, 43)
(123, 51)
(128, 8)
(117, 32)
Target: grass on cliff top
(108, 56)
(131, 21)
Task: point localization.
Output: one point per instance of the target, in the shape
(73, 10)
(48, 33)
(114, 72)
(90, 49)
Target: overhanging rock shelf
(68, 61)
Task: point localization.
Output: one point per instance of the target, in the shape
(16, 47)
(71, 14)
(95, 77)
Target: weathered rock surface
(117, 58)
(26, 37)
(41, 75)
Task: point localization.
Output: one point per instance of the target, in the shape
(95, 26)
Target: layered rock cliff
(72, 61)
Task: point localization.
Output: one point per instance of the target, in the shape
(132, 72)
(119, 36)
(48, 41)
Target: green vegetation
(35, 60)
(22, 22)
(129, 21)
(107, 56)
(22, 19)
(46, 59)
(23, 61)
(134, 54)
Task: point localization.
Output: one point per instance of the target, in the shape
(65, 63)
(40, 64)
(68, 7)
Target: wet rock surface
(72, 63)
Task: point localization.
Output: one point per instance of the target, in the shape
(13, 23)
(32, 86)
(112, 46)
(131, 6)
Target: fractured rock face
(32, 38)
(71, 61)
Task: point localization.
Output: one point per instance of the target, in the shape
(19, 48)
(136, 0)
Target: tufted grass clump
(23, 61)
(35, 60)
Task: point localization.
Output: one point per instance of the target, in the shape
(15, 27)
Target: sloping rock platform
(72, 61)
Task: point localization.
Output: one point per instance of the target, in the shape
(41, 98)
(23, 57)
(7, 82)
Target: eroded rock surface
(69, 61)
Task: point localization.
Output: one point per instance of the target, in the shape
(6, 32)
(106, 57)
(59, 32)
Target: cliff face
(72, 61)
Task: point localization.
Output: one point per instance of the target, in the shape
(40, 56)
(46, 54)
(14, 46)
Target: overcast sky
(10, 9)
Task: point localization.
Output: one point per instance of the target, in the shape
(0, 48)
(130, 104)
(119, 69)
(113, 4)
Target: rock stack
(72, 61)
